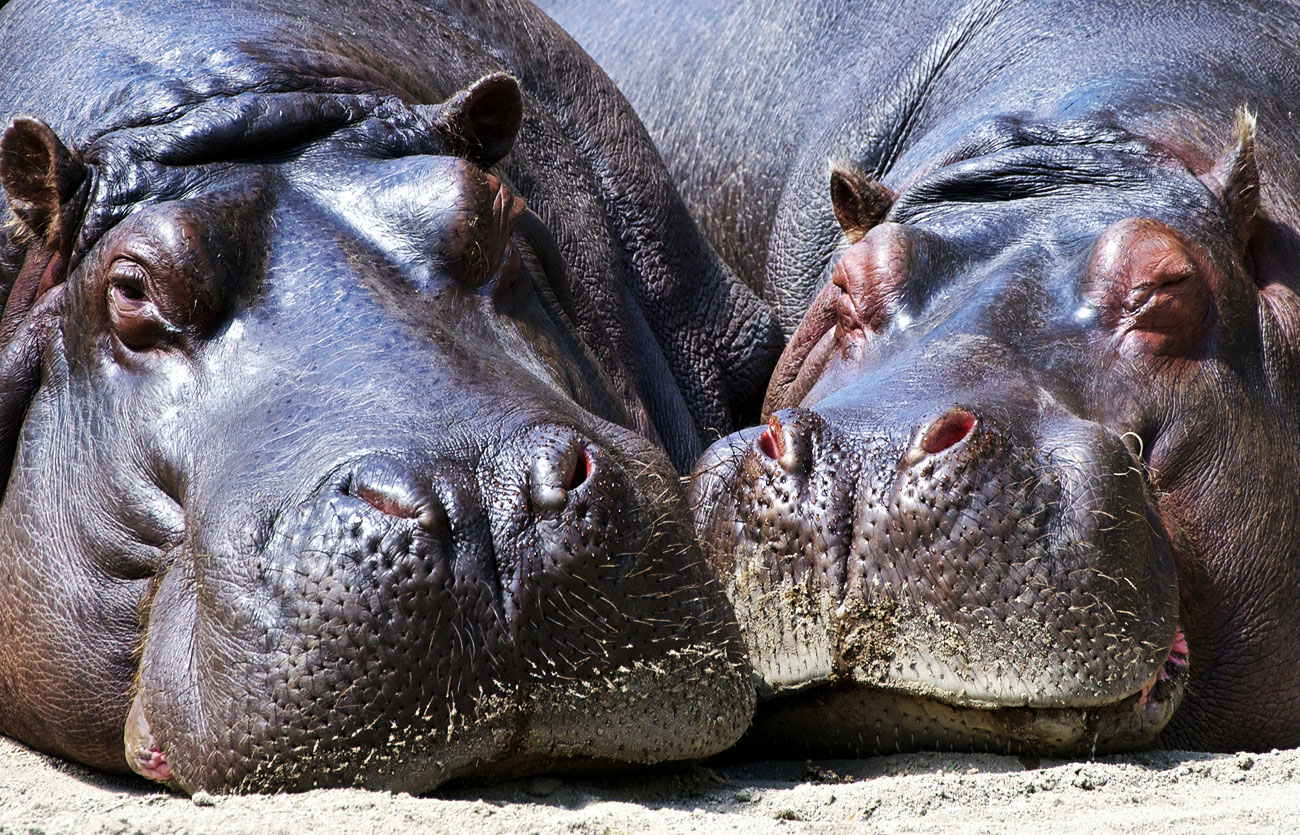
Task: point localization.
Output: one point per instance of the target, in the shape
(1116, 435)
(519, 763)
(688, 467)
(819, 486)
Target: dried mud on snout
(965, 793)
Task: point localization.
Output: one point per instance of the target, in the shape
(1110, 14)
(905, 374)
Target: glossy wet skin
(887, 92)
(967, 520)
(352, 540)
(326, 470)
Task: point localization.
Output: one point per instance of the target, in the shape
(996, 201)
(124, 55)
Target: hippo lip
(877, 720)
(143, 753)
(1168, 677)
(880, 717)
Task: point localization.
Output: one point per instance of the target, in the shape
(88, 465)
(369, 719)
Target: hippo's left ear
(482, 121)
(1235, 177)
(859, 201)
(41, 178)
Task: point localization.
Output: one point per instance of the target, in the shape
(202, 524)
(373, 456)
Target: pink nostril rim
(581, 469)
(385, 503)
(948, 431)
(770, 441)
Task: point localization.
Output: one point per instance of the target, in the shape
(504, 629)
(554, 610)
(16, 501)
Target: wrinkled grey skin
(1037, 421)
(332, 464)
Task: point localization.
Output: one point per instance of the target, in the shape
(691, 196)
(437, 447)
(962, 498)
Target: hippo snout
(428, 615)
(944, 562)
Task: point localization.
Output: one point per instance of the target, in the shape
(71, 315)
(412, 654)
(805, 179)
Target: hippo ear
(1235, 177)
(482, 121)
(40, 177)
(859, 202)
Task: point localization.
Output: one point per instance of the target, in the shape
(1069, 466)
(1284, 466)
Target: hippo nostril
(561, 464)
(948, 431)
(386, 503)
(581, 469)
(390, 487)
(770, 443)
(785, 442)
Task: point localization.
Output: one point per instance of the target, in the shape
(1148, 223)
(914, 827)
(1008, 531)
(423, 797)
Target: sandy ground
(1149, 792)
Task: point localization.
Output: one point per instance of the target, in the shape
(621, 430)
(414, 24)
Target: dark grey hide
(340, 426)
(1028, 480)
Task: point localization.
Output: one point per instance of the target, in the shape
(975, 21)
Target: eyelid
(136, 278)
(137, 270)
(139, 313)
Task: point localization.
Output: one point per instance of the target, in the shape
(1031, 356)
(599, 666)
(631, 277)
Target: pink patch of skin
(1177, 657)
(142, 751)
(1178, 652)
(155, 767)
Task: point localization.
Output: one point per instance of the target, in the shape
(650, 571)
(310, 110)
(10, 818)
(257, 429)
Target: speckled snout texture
(966, 577)
(407, 623)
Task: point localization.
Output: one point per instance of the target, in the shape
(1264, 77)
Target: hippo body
(341, 427)
(1028, 477)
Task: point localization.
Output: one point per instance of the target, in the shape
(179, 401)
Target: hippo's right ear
(482, 121)
(1235, 176)
(41, 178)
(859, 201)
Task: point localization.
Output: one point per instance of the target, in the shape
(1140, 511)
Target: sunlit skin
(347, 380)
(1025, 478)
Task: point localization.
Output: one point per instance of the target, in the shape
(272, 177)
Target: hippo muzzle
(419, 615)
(968, 579)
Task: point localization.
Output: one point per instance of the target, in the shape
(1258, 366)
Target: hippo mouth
(845, 717)
(883, 616)
(829, 685)
(1168, 678)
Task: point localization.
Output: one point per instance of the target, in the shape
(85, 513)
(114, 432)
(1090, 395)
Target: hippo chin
(1027, 478)
(340, 427)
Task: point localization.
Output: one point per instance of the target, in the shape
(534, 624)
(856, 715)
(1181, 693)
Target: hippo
(349, 364)
(1026, 476)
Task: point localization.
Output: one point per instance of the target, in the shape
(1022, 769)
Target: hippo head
(1013, 491)
(312, 480)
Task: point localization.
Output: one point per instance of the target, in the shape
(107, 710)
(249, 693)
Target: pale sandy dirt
(1156, 792)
